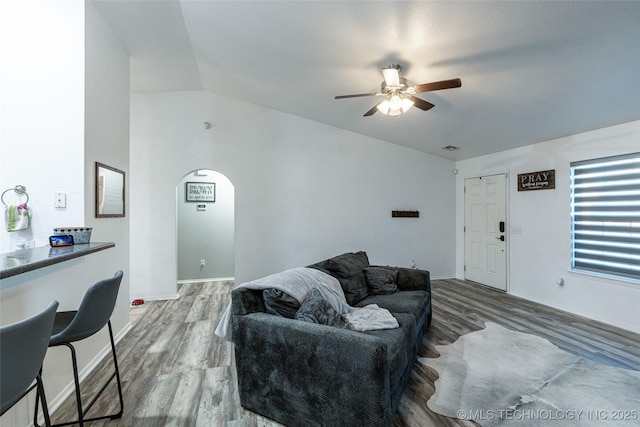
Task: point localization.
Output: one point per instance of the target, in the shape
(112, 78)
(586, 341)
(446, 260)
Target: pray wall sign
(541, 180)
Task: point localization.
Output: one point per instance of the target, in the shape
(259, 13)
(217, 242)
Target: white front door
(485, 230)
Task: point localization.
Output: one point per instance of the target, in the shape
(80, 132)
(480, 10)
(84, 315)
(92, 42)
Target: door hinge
(465, 268)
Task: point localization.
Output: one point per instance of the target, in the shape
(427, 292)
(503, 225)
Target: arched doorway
(205, 227)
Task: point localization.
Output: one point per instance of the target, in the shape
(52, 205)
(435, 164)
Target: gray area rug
(499, 377)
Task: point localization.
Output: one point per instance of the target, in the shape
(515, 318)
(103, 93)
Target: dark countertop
(22, 261)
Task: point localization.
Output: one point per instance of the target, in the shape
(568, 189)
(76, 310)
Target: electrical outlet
(202, 263)
(25, 244)
(59, 200)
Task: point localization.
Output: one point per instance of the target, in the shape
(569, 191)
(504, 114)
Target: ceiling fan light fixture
(395, 102)
(383, 107)
(406, 104)
(395, 105)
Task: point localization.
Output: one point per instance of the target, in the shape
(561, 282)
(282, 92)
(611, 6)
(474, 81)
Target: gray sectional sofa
(301, 373)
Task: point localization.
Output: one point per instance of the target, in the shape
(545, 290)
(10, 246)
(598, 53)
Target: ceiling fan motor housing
(385, 89)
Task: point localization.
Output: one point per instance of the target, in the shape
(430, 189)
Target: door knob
(500, 238)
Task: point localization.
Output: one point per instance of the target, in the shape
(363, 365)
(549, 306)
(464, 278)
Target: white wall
(106, 118)
(304, 191)
(206, 234)
(50, 138)
(41, 110)
(541, 253)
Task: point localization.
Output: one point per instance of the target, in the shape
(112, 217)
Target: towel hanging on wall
(17, 216)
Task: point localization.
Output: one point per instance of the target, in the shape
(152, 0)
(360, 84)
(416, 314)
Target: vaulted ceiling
(530, 71)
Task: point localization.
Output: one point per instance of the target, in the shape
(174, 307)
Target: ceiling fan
(399, 93)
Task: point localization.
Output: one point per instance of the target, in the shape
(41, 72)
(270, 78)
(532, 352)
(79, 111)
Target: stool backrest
(94, 312)
(23, 346)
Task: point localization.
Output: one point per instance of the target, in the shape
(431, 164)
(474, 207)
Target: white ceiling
(531, 71)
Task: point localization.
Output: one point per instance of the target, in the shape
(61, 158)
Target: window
(605, 216)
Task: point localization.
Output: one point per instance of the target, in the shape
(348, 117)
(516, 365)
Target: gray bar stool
(70, 326)
(23, 346)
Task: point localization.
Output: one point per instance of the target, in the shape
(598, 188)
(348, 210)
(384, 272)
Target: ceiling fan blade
(421, 103)
(373, 110)
(445, 84)
(357, 95)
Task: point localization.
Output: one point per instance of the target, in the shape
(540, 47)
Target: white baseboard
(211, 279)
(156, 298)
(441, 277)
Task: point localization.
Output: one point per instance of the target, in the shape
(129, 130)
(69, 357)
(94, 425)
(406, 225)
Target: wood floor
(177, 373)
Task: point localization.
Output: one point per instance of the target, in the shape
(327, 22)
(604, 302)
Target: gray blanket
(296, 282)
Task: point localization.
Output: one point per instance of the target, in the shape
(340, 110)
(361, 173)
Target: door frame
(507, 214)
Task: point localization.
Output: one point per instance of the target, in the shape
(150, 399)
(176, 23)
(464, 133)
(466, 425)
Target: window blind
(605, 215)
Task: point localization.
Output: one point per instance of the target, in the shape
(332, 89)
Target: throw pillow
(280, 303)
(411, 279)
(316, 309)
(381, 281)
(349, 270)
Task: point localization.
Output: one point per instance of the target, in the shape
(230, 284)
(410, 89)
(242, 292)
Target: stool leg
(115, 363)
(76, 379)
(41, 396)
(81, 412)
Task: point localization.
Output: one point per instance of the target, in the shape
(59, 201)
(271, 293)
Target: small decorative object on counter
(80, 234)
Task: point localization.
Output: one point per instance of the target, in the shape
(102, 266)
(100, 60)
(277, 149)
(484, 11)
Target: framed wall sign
(109, 191)
(200, 191)
(541, 180)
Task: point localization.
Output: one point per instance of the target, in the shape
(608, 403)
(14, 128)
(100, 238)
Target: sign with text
(201, 191)
(542, 180)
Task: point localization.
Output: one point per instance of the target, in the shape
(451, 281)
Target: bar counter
(25, 260)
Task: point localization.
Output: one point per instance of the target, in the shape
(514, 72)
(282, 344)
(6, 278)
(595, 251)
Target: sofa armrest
(333, 376)
(411, 279)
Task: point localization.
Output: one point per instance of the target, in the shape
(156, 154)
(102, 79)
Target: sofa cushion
(348, 268)
(280, 303)
(399, 302)
(380, 280)
(416, 303)
(316, 309)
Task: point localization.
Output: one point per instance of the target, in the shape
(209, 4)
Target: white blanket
(297, 282)
(370, 318)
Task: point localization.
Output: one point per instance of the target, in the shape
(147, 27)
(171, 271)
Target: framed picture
(541, 180)
(200, 192)
(109, 191)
